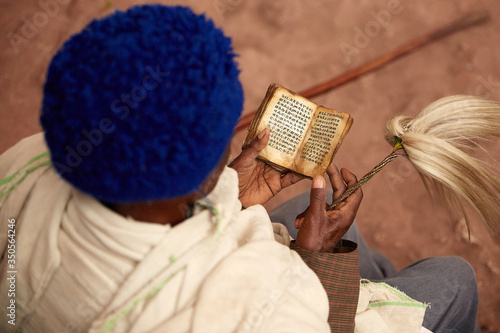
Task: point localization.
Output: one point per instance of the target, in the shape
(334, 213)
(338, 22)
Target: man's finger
(354, 200)
(336, 180)
(257, 144)
(299, 220)
(318, 196)
(348, 177)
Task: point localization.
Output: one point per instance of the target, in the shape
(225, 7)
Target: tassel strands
(440, 142)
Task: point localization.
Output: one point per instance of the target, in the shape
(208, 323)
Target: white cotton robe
(81, 267)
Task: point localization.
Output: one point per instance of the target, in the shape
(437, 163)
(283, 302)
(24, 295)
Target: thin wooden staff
(465, 22)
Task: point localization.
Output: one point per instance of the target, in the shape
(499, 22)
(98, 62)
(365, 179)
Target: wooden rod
(465, 22)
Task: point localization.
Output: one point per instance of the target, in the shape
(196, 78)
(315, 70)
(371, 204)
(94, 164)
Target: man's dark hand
(320, 230)
(259, 182)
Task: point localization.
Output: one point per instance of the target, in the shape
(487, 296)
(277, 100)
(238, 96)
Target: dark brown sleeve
(339, 274)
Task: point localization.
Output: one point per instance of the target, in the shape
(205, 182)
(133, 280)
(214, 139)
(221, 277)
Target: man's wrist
(343, 246)
(311, 245)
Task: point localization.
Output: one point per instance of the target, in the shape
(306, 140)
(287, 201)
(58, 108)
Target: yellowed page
(325, 136)
(287, 116)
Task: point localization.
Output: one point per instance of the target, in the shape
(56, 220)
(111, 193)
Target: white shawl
(82, 266)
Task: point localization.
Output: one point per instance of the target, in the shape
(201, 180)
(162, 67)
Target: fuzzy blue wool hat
(141, 105)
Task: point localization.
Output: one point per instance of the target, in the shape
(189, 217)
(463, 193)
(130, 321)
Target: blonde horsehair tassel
(440, 141)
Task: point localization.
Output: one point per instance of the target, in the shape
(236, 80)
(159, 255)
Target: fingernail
(318, 182)
(261, 134)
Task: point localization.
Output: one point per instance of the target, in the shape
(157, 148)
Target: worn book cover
(304, 136)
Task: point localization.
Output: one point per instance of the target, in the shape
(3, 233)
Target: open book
(304, 136)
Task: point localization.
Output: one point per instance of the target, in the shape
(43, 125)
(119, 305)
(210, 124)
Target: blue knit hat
(141, 105)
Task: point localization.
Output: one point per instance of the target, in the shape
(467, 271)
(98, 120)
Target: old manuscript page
(327, 131)
(288, 122)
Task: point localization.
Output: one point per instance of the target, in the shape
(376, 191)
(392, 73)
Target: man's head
(141, 105)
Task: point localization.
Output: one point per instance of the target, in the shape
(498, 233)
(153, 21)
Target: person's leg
(449, 285)
(372, 264)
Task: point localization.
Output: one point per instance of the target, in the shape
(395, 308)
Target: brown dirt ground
(298, 44)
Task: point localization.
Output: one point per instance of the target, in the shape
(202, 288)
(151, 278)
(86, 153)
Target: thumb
(257, 144)
(318, 196)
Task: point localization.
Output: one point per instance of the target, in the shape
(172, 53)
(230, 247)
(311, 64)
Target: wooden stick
(413, 45)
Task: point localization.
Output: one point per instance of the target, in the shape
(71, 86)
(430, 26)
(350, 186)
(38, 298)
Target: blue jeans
(447, 283)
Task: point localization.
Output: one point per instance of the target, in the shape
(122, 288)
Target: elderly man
(122, 216)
